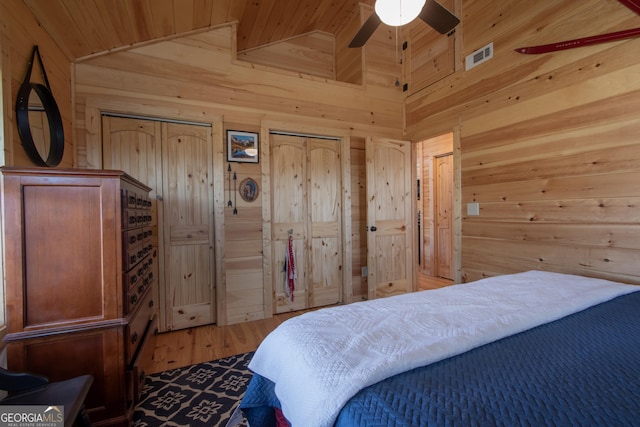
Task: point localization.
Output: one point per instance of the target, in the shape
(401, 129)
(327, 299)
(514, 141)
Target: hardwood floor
(427, 282)
(196, 345)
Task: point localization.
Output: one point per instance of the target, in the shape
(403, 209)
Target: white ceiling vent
(479, 56)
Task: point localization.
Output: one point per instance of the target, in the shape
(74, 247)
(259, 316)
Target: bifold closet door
(289, 214)
(133, 146)
(325, 221)
(305, 204)
(175, 160)
(187, 153)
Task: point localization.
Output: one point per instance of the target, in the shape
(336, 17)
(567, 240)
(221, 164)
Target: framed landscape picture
(242, 146)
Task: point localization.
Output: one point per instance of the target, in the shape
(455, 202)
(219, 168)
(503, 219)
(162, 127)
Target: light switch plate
(473, 209)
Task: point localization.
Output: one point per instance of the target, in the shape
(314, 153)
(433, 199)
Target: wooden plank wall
(311, 53)
(242, 256)
(349, 62)
(196, 77)
(199, 71)
(20, 32)
(549, 143)
(429, 56)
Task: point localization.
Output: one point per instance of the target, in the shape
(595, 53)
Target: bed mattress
(346, 350)
(582, 370)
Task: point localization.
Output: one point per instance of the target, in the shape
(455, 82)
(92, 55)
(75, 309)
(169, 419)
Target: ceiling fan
(400, 12)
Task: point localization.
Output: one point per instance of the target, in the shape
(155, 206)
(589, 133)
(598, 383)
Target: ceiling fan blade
(367, 29)
(438, 17)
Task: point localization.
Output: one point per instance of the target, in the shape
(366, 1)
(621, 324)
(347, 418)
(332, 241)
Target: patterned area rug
(205, 394)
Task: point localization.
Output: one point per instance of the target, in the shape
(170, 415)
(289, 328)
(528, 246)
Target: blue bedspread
(583, 370)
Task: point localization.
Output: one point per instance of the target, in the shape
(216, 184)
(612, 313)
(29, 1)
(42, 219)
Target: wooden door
(175, 160)
(389, 218)
(133, 145)
(443, 187)
(325, 222)
(288, 218)
(305, 203)
(189, 292)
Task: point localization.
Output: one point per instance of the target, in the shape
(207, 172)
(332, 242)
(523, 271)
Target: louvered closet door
(305, 202)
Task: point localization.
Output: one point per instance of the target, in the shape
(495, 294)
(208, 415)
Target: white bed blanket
(319, 360)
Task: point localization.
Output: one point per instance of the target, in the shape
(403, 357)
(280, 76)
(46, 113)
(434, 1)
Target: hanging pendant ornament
(229, 204)
(235, 195)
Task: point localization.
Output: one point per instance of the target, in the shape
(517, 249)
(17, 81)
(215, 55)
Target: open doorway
(434, 211)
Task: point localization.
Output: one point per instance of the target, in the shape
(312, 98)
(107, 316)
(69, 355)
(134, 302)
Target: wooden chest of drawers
(81, 270)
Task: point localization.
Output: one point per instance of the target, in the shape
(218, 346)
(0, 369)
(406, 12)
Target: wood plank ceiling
(84, 28)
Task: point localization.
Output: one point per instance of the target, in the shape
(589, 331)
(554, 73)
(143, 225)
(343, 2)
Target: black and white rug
(205, 394)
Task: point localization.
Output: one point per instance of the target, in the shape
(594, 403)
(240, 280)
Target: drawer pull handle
(134, 338)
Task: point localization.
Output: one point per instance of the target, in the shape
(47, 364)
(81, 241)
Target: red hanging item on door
(290, 270)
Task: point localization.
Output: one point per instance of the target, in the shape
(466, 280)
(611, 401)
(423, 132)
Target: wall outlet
(364, 271)
(473, 209)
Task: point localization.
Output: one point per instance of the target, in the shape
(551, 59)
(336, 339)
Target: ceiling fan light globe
(398, 12)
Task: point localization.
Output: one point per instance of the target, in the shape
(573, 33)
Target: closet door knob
(373, 228)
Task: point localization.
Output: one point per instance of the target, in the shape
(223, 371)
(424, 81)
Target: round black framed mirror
(37, 112)
(39, 121)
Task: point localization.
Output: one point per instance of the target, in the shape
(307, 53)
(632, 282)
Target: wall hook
(235, 195)
(229, 204)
